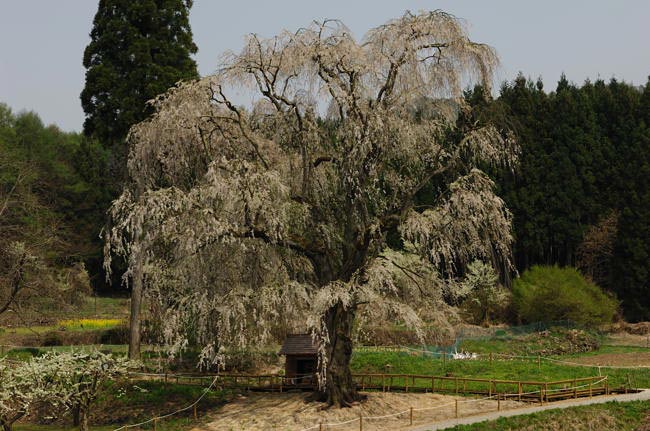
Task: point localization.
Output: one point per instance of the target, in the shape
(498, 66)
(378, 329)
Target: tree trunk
(75, 416)
(136, 302)
(83, 420)
(9, 421)
(340, 390)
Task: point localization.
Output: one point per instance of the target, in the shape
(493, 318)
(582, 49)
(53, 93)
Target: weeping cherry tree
(239, 220)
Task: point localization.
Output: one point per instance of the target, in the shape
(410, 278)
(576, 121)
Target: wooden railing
(504, 389)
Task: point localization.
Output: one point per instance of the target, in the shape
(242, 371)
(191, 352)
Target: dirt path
(644, 395)
(617, 359)
(290, 412)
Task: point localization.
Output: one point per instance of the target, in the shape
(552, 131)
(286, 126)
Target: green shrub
(52, 338)
(117, 335)
(547, 293)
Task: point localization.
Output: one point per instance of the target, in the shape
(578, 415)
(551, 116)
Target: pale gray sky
(42, 41)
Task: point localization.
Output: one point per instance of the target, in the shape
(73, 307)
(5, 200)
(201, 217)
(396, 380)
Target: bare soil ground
(290, 412)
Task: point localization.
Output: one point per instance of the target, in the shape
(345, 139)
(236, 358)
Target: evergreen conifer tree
(138, 49)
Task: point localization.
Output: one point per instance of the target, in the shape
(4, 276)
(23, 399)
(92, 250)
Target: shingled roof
(299, 344)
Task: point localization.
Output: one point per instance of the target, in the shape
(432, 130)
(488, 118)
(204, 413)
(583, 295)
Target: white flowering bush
(56, 382)
(480, 294)
(80, 377)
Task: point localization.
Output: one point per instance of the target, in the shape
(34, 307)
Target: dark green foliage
(545, 293)
(138, 50)
(585, 153)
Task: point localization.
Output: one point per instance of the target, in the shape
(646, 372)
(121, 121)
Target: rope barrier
(371, 418)
(205, 391)
(456, 402)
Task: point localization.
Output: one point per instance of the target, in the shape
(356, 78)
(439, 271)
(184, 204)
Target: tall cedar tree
(138, 49)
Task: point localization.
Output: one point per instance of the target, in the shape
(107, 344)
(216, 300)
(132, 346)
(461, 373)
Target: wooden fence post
(456, 409)
(411, 417)
(154, 423)
(196, 416)
(498, 402)
(539, 362)
(320, 426)
(360, 422)
(519, 389)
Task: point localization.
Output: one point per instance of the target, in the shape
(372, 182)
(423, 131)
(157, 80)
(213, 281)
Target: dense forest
(580, 196)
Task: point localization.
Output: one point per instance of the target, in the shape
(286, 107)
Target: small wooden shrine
(301, 354)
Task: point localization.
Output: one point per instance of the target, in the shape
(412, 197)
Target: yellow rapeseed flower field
(80, 324)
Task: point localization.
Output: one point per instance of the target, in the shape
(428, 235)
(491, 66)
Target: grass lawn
(611, 416)
(411, 363)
